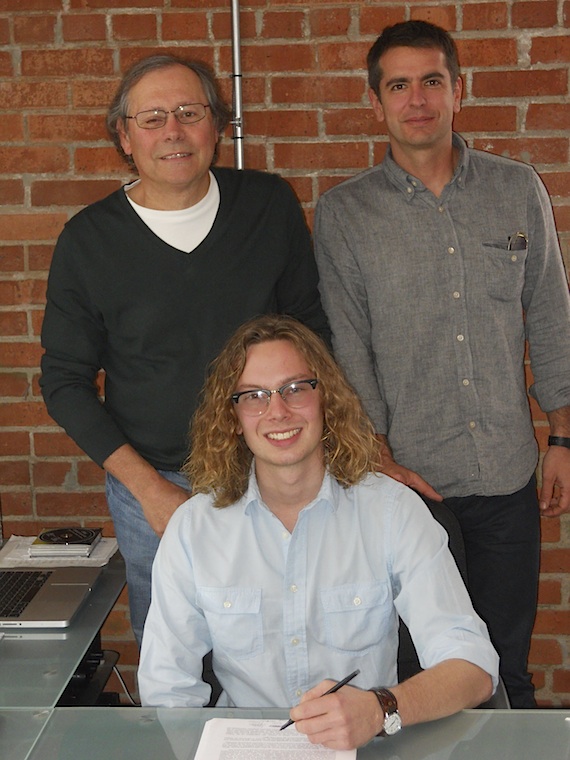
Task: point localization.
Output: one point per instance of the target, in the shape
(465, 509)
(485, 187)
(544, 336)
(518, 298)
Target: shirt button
(299, 692)
(472, 425)
(410, 190)
(460, 338)
(293, 588)
(457, 294)
(441, 209)
(514, 257)
(285, 535)
(294, 642)
(466, 382)
(357, 601)
(451, 249)
(227, 605)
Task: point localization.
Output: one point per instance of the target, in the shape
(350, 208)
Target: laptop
(43, 597)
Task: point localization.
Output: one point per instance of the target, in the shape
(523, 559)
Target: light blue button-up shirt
(282, 611)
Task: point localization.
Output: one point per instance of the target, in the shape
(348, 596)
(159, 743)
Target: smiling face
(417, 100)
(281, 437)
(173, 161)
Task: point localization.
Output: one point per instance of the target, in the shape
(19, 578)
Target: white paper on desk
(248, 739)
(14, 553)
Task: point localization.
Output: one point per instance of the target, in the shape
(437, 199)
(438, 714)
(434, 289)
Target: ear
(124, 137)
(376, 105)
(457, 93)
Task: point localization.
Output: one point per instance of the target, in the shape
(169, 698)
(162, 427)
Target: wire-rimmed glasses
(191, 113)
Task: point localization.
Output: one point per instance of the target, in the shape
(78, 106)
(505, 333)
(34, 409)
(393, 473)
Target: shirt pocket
(234, 618)
(504, 272)
(357, 615)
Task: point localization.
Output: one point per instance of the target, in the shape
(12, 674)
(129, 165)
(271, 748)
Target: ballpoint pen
(334, 688)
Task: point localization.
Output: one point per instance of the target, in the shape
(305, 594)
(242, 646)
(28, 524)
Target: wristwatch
(389, 704)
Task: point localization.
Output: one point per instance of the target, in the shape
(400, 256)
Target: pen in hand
(334, 688)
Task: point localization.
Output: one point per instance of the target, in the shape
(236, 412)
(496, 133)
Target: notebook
(43, 597)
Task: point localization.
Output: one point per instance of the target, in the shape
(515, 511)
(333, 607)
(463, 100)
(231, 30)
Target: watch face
(392, 724)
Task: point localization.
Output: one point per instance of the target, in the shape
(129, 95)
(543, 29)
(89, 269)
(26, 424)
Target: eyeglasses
(296, 395)
(157, 117)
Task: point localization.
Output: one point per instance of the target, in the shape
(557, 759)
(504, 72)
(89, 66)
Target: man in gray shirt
(436, 266)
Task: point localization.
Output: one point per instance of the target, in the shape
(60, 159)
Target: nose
(417, 94)
(278, 409)
(173, 128)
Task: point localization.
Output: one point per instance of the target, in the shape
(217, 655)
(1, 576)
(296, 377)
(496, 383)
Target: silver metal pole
(237, 121)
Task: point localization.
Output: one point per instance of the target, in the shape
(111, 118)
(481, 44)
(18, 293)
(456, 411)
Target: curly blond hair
(220, 461)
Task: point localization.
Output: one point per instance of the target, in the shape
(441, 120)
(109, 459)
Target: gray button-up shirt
(430, 306)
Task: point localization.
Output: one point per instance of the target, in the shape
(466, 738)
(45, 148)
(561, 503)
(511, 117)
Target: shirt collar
(328, 493)
(410, 185)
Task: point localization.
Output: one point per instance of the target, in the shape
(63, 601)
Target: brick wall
(307, 117)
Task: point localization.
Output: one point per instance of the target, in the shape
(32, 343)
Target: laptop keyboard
(18, 588)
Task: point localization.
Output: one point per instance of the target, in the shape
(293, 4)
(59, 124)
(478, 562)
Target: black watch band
(559, 440)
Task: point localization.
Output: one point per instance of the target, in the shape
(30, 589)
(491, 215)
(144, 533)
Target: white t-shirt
(184, 229)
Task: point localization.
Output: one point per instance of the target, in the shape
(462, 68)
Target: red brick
(16, 292)
(272, 58)
(374, 19)
(442, 15)
(104, 4)
(281, 123)
(17, 504)
(34, 159)
(99, 161)
(90, 474)
(30, 5)
(222, 24)
(479, 16)
(67, 127)
(4, 31)
(22, 414)
(550, 50)
(50, 473)
(31, 226)
(331, 22)
(533, 15)
(299, 89)
(39, 257)
(14, 443)
(557, 183)
(283, 24)
(11, 258)
(33, 29)
(11, 192)
(21, 94)
(11, 126)
(486, 119)
(134, 27)
(302, 187)
(13, 323)
(552, 622)
(6, 65)
(93, 93)
(185, 26)
(545, 652)
(530, 150)
(352, 121)
(555, 560)
(58, 63)
(561, 682)
(54, 444)
(67, 504)
(549, 592)
(15, 472)
(37, 318)
(516, 84)
(70, 192)
(19, 354)
(317, 155)
(487, 52)
(13, 384)
(343, 56)
(84, 27)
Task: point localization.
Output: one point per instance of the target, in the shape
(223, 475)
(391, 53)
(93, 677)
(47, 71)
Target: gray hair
(119, 107)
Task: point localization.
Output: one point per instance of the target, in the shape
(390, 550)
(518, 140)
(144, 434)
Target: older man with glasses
(148, 283)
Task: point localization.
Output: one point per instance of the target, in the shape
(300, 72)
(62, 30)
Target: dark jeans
(502, 548)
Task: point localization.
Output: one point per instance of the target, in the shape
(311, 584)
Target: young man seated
(294, 559)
